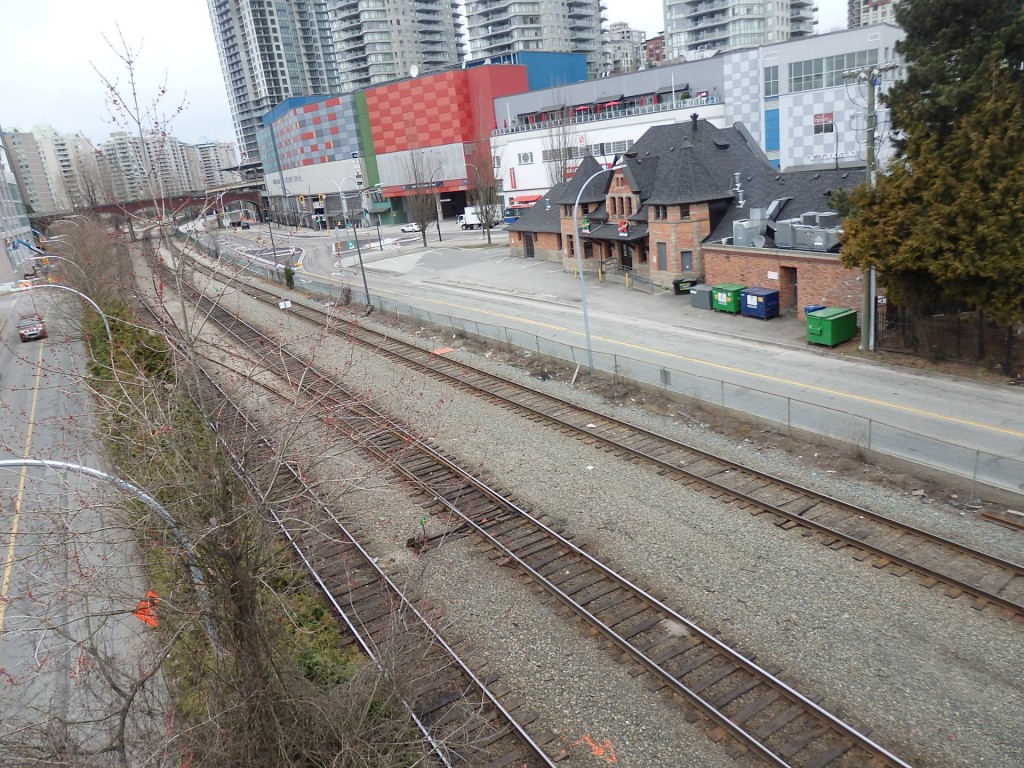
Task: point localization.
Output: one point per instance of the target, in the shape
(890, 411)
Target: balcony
(705, 21)
(801, 13)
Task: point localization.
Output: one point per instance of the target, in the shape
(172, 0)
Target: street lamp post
(195, 572)
(579, 260)
(110, 336)
(355, 233)
(62, 258)
(437, 204)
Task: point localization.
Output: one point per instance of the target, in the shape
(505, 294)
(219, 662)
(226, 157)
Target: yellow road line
(721, 366)
(5, 583)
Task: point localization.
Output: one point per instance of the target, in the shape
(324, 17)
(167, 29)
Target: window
(823, 123)
(771, 81)
(684, 212)
(526, 158)
(660, 212)
(829, 71)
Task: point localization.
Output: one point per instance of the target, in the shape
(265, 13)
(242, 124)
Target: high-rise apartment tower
(498, 28)
(271, 50)
(274, 50)
(698, 28)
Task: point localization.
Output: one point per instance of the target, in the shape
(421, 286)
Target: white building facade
(861, 13)
(803, 102)
(623, 48)
(377, 41)
(157, 168)
(215, 159)
(699, 28)
(501, 27)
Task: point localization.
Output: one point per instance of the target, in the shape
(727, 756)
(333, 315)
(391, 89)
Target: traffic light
(320, 197)
(302, 199)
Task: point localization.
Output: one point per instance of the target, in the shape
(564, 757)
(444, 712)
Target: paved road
(66, 574)
(970, 428)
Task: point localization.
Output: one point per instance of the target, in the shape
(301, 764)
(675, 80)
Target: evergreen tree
(946, 224)
(946, 46)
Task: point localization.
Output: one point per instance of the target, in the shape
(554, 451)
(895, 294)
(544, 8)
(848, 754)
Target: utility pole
(868, 308)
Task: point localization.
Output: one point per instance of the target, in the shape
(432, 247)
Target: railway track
(872, 537)
(458, 709)
(757, 711)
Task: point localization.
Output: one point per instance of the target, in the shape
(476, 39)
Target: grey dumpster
(700, 296)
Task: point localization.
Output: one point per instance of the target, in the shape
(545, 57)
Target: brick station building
(696, 203)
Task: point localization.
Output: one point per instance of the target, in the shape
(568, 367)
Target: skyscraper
(274, 50)
(378, 41)
(271, 50)
(213, 158)
(55, 171)
(861, 13)
(698, 28)
(501, 27)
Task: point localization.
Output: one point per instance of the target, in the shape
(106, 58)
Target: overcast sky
(54, 51)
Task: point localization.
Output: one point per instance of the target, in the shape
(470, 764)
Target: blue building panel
(771, 130)
(544, 69)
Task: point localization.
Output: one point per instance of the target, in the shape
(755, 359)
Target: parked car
(412, 226)
(245, 225)
(31, 327)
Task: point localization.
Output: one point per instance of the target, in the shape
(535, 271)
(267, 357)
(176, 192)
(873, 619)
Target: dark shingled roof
(596, 189)
(797, 191)
(696, 162)
(543, 216)
(688, 163)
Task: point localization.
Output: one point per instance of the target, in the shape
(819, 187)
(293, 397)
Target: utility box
(831, 326)
(759, 302)
(725, 297)
(700, 296)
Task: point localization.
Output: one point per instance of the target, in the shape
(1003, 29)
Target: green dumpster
(831, 326)
(725, 297)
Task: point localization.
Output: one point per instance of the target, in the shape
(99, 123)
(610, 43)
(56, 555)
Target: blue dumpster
(759, 302)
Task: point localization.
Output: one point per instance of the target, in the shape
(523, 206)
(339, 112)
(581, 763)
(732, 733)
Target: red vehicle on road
(31, 327)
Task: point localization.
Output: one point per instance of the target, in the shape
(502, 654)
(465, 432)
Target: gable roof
(543, 216)
(596, 188)
(696, 161)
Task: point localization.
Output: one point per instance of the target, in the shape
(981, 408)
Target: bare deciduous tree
(560, 145)
(423, 203)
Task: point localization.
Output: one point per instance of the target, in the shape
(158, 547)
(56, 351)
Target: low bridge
(184, 206)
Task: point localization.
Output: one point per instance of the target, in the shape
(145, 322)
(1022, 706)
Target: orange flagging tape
(146, 609)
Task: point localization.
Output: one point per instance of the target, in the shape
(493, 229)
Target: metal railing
(793, 414)
(592, 116)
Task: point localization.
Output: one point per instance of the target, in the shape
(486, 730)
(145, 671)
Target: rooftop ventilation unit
(827, 220)
(744, 232)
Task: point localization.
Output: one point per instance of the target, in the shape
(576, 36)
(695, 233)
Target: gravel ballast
(931, 678)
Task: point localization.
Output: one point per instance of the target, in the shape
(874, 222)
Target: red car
(31, 327)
